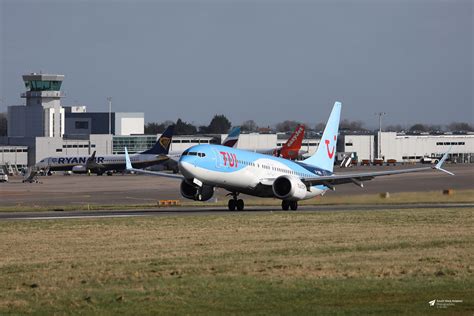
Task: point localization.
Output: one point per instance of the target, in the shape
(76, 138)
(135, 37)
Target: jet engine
(79, 169)
(193, 192)
(289, 188)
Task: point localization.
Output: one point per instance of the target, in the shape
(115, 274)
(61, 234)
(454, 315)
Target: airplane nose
(186, 168)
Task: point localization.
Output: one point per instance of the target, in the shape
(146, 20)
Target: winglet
(440, 163)
(128, 163)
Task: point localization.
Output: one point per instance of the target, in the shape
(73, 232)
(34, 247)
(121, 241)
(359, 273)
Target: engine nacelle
(193, 192)
(289, 188)
(79, 169)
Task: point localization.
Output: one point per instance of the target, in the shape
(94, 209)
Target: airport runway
(183, 211)
(138, 189)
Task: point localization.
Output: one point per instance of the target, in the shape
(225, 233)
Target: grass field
(460, 196)
(369, 262)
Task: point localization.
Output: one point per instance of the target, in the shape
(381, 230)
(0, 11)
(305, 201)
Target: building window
(59, 150)
(82, 125)
(348, 144)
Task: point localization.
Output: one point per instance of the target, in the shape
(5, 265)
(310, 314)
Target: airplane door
(219, 159)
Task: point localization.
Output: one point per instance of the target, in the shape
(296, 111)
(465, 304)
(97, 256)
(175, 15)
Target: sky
(265, 60)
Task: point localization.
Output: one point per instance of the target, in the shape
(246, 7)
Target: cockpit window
(193, 153)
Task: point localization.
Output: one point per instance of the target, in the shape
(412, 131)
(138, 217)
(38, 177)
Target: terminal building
(43, 127)
(404, 148)
(413, 148)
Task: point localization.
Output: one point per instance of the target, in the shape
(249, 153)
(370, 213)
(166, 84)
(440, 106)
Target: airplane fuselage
(245, 172)
(110, 162)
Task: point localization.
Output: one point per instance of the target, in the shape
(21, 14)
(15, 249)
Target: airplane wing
(162, 157)
(129, 167)
(358, 178)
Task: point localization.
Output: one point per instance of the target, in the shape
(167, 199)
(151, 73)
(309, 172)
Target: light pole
(110, 114)
(379, 141)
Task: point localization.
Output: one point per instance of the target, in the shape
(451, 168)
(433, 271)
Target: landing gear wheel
(285, 205)
(294, 205)
(232, 205)
(240, 205)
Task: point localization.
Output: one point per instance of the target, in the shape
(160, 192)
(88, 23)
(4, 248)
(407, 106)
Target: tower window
(82, 125)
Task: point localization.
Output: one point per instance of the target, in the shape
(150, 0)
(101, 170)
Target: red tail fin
(291, 148)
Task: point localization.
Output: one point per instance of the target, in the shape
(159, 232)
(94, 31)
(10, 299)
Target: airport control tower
(43, 115)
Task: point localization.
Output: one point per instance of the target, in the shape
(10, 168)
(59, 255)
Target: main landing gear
(235, 203)
(285, 205)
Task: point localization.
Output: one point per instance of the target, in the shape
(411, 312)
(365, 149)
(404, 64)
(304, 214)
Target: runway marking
(80, 216)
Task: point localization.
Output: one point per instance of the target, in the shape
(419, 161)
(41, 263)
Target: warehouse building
(413, 148)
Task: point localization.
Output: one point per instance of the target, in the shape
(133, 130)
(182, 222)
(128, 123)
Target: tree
(286, 126)
(249, 126)
(394, 128)
(460, 127)
(183, 128)
(352, 125)
(203, 129)
(419, 128)
(219, 125)
(3, 124)
(319, 127)
(155, 128)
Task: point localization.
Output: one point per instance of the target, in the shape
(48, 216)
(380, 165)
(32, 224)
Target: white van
(3, 176)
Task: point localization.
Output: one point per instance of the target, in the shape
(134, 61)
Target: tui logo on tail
(330, 152)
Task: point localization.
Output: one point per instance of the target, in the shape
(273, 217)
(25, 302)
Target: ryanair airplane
(205, 167)
(100, 164)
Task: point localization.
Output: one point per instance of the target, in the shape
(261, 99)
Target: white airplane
(100, 164)
(205, 167)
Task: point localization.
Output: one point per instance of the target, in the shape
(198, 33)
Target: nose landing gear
(235, 203)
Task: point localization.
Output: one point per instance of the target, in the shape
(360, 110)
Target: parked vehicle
(3, 176)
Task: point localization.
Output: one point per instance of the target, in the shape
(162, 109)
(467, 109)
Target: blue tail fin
(162, 145)
(324, 156)
(232, 138)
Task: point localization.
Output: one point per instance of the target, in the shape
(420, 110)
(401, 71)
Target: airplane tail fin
(324, 156)
(296, 139)
(91, 158)
(232, 138)
(162, 145)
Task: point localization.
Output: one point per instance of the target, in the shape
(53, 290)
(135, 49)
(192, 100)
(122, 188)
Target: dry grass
(460, 196)
(355, 262)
